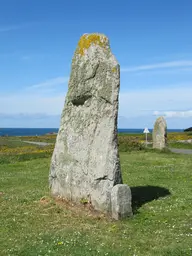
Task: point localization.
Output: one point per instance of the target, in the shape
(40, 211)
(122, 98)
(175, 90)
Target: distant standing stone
(121, 202)
(85, 162)
(160, 133)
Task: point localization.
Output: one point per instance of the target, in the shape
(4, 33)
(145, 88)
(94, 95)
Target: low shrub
(127, 143)
(28, 152)
(176, 136)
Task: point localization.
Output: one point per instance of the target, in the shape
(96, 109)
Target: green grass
(19, 141)
(173, 136)
(13, 158)
(11, 142)
(42, 138)
(180, 145)
(161, 225)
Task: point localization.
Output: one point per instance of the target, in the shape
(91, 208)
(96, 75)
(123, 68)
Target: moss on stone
(86, 41)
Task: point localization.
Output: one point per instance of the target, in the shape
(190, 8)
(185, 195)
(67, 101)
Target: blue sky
(151, 40)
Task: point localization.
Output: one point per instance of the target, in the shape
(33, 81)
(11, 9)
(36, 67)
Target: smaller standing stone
(121, 201)
(160, 133)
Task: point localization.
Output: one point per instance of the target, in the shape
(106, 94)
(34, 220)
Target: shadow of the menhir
(144, 194)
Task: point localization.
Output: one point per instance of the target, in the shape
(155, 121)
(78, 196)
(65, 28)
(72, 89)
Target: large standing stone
(85, 162)
(160, 133)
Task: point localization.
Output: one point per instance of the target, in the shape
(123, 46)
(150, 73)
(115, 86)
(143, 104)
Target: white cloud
(7, 28)
(170, 114)
(136, 108)
(32, 103)
(134, 103)
(49, 83)
(26, 57)
(25, 115)
(162, 65)
(27, 120)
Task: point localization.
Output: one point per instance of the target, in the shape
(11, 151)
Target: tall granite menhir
(85, 162)
(160, 133)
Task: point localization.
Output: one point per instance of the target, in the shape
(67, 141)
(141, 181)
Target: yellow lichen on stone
(86, 41)
(114, 69)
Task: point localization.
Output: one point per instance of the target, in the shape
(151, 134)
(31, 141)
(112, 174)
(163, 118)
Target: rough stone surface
(121, 202)
(160, 133)
(85, 162)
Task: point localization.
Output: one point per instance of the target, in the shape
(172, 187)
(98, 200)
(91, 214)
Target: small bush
(176, 136)
(127, 144)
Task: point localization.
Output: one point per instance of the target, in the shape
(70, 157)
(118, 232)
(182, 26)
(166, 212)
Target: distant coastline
(43, 131)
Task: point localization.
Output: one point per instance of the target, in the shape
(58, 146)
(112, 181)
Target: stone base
(121, 202)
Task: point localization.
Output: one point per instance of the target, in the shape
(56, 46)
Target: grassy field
(13, 150)
(180, 145)
(32, 223)
(173, 136)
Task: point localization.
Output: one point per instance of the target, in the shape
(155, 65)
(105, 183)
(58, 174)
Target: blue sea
(43, 131)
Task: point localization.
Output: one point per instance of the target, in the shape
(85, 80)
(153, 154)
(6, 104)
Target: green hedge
(127, 143)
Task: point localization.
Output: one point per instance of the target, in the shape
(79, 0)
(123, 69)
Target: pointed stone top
(96, 39)
(161, 119)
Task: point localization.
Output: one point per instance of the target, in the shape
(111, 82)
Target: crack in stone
(102, 178)
(53, 176)
(94, 73)
(105, 177)
(107, 101)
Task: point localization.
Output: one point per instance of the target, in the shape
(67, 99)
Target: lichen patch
(88, 39)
